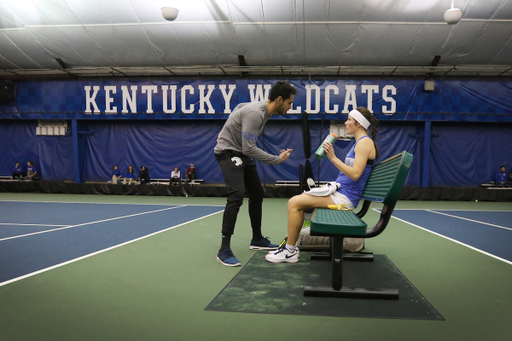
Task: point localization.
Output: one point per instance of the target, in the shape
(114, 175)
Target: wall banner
(211, 99)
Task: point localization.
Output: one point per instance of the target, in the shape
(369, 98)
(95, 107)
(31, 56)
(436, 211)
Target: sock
(256, 235)
(290, 248)
(226, 242)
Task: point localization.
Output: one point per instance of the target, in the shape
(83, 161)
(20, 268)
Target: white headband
(360, 118)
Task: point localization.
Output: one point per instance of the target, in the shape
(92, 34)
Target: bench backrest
(387, 178)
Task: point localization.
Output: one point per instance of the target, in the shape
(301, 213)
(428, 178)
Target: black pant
(240, 174)
(18, 175)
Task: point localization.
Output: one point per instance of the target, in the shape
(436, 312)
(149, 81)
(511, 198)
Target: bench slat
(327, 221)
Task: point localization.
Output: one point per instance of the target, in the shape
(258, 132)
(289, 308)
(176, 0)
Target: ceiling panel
(288, 37)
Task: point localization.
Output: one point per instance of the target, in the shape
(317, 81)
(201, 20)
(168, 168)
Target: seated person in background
(175, 177)
(510, 176)
(130, 175)
(31, 171)
(191, 173)
(144, 176)
(501, 177)
(17, 172)
(116, 174)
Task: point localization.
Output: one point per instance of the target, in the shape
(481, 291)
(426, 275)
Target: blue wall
(461, 154)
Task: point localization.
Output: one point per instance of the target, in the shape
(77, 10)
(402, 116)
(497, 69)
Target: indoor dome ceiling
(91, 38)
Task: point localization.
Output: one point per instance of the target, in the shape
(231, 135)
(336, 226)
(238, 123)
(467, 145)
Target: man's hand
(285, 154)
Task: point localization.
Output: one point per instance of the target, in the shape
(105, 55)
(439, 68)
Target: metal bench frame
(383, 186)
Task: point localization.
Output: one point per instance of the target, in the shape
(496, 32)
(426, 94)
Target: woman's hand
(329, 150)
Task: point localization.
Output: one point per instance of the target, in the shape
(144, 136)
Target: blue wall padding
(462, 154)
(466, 154)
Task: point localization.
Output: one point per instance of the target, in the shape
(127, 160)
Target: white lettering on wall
(326, 99)
(150, 90)
(91, 99)
(184, 90)
(165, 89)
(227, 96)
(258, 96)
(336, 91)
(206, 99)
(350, 98)
(130, 100)
(109, 100)
(385, 90)
(309, 107)
(370, 89)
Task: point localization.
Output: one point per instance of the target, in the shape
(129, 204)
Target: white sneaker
(283, 255)
(296, 249)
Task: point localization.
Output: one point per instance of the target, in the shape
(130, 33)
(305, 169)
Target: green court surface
(158, 288)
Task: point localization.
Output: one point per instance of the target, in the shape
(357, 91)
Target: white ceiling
(97, 38)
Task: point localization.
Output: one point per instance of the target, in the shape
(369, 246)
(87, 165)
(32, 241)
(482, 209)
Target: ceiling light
(453, 15)
(170, 13)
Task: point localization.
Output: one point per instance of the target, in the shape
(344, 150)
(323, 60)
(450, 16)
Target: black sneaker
(262, 244)
(226, 257)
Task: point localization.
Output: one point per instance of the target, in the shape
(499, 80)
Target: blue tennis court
(35, 236)
(486, 231)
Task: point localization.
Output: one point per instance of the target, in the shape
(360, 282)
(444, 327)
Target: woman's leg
(296, 207)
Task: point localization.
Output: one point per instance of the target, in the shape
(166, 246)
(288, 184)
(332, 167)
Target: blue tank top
(350, 188)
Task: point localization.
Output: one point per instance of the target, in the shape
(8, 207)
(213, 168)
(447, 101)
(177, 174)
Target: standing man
(235, 149)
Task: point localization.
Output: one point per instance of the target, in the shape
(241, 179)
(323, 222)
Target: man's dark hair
(283, 89)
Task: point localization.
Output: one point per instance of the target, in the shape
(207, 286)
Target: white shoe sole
(289, 260)
(227, 264)
(256, 248)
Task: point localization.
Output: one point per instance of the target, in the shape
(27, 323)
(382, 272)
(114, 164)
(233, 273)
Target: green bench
(383, 186)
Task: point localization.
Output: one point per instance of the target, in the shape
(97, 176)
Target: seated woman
(31, 171)
(116, 174)
(354, 173)
(130, 175)
(175, 177)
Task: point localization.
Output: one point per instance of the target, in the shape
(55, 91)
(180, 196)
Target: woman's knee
(296, 202)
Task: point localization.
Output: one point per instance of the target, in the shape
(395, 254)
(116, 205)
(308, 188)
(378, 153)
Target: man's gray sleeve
(250, 132)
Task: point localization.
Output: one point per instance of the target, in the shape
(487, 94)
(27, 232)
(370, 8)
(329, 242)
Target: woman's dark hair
(374, 124)
(31, 163)
(130, 167)
(283, 89)
(114, 167)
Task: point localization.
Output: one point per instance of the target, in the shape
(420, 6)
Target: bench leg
(337, 261)
(336, 290)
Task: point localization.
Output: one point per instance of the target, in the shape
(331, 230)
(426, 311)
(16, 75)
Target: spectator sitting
(18, 171)
(130, 175)
(501, 177)
(31, 171)
(144, 176)
(175, 177)
(191, 173)
(116, 174)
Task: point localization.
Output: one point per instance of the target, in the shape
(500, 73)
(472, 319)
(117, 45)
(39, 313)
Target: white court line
(90, 223)
(105, 203)
(455, 241)
(471, 220)
(100, 251)
(16, 224)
